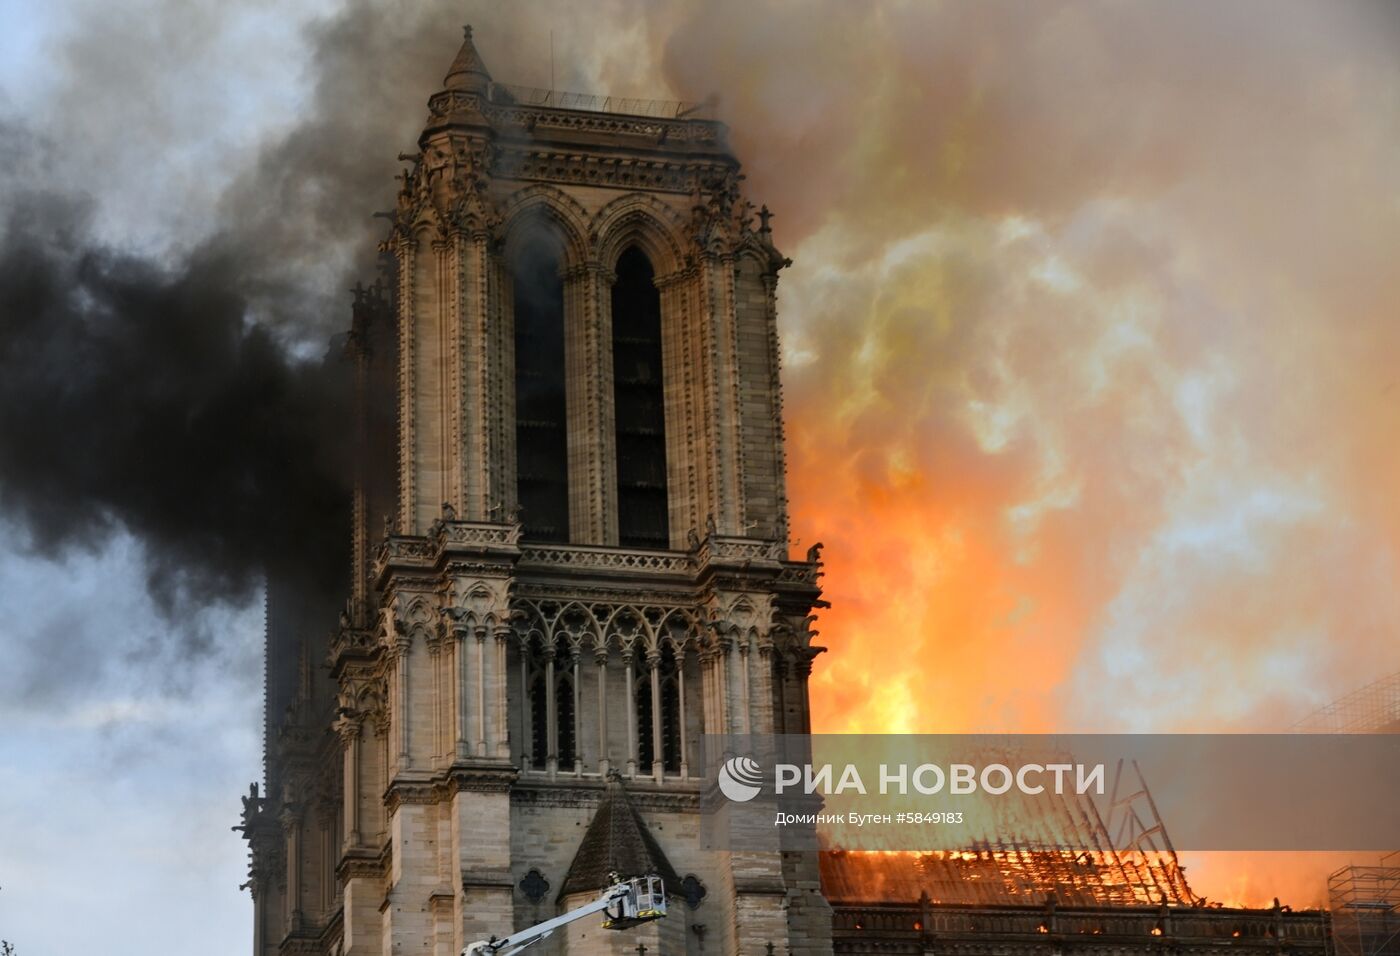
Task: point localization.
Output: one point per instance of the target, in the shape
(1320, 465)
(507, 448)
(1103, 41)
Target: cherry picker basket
(644, 901)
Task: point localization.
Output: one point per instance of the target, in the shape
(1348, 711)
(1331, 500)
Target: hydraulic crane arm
(627, 903)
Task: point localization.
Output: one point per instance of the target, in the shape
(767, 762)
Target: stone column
(349, 730)
(259, 916)
(631, 714)
(600, 657)
(527, 716)
(762, 703)
(722, 667)
(588, 382)
(658, 761)
(721, 393)
(681, 714)
(481, 692)
(578, 711)
(435, 666)
(291, 827)
(459, 635)
(679, 380)
(780, 719)
(500, 740)
(402, 645)
(551, 710)
(745, 704)
(329, 853)
(709, 687)
(804, 674)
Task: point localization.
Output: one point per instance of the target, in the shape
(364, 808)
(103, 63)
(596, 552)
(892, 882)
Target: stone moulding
(441, 787)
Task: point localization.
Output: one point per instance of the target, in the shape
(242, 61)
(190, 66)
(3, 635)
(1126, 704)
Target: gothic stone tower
(570, 552)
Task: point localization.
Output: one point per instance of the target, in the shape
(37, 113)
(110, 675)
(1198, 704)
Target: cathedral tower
(570, 552)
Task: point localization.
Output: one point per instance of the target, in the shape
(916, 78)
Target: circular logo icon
(740, 778)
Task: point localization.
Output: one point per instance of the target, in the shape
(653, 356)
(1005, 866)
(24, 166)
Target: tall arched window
(541, 443)
(639, 404)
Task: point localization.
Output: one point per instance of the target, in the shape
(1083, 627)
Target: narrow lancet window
(639, 403)
(665, 682)
(641, 689)
(541, 445)
(671, 715)
(539, 705)
(564, 707)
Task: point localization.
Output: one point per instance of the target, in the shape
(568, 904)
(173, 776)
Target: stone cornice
(439, 788)
(541, 121)
(535, 163)
(364, 863)
(483, 548)
(672, 796)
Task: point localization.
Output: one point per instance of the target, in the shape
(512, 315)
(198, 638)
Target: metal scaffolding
(1032, 851)
(1364, 901)
(1365, 905)
(1374, 709)
(506, 93)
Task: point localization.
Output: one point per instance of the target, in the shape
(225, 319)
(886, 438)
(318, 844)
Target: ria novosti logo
(740, 779)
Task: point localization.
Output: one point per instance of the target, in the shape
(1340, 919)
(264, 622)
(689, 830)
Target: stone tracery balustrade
(606, 559)
(475, 534)
(486, 536)
(716, 548)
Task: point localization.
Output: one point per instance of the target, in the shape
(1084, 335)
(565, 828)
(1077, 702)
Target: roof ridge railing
(507, 93)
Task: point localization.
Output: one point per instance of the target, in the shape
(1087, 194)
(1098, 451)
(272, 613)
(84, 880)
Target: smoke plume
(1090, 334)
(138, 396)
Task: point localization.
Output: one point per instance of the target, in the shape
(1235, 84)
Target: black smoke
(197, 399)
(189, 389)
(142, 395)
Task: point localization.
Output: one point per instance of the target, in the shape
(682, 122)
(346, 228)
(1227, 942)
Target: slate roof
(468, 71)
(617, 841)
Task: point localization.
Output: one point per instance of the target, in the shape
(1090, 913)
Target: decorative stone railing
(504, 539)
(579, 558)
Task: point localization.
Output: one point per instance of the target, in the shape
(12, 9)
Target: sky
(1089, 354)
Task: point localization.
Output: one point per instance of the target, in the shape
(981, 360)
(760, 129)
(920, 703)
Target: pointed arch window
(639, 405)
(541, 442)
(548, 671)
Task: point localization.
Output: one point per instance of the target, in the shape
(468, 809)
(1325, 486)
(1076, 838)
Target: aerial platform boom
(624, 904)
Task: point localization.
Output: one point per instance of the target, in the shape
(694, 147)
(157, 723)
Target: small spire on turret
(764, 216)
(467, 71)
